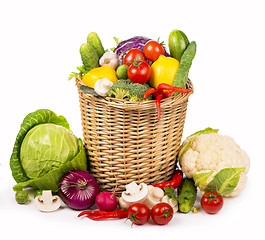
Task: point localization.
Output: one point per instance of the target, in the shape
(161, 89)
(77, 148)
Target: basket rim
(119, 103)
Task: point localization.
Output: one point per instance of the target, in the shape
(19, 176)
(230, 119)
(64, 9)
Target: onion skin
(78, 189)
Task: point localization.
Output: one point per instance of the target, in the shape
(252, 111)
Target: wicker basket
(125, 142)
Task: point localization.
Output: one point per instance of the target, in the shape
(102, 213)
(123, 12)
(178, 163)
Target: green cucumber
(177, 43)
(89, 56)
(187, 192)
(181, 77)
(95, 41)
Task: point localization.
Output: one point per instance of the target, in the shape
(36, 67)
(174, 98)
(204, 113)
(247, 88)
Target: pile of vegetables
(135, 66)
(49, 158)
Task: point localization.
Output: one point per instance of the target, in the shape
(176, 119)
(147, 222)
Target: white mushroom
(47, 202)
(133, 193)
(171, 202)
(102, 86)
(123, 204)
(154, 196)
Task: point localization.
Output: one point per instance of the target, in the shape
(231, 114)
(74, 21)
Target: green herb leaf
(170, 191)
(81, 72)
(73, 75)
(117, 41)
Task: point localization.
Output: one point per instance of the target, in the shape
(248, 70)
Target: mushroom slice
(135, 193)
(47, 202)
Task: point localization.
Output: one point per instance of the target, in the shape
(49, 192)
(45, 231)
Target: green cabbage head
(45, 149)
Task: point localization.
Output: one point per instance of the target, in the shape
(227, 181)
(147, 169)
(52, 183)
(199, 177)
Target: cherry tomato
(133, 54)
(152, 50)
(162, 213)
(212, 202)
(138, 213)
(139, 72)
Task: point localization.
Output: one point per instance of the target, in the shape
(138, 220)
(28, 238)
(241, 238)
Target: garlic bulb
(109, 58)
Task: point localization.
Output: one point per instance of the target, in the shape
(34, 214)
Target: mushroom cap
(135, 193)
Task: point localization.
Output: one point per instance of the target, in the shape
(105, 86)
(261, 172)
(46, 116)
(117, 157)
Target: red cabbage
(134, 42)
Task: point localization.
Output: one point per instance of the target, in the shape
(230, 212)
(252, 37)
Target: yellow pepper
(164, 70)
(95, 74)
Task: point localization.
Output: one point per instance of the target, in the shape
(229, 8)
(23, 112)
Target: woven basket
(125, 142)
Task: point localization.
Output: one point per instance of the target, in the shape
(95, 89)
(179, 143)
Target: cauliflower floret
(213, 152)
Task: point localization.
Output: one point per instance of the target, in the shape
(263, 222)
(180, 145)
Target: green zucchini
(95, 41)
(89, 56)
(181, 77)
(177, 43)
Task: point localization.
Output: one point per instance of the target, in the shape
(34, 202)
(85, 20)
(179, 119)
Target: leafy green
(42, 168)
(117, 41)
(170, 191)
(75, 75)
(225, 181)
(45, 147)
(201, 178)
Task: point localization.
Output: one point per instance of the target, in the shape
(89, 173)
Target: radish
(106, 201)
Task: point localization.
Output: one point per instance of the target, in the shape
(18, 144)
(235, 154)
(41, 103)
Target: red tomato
(138, 213)
(152, 50)
(139, 72)
(133, 54)
(212, 202)
(162, 213)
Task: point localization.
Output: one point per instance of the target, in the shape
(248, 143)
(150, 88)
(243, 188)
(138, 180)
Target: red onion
(78, 189)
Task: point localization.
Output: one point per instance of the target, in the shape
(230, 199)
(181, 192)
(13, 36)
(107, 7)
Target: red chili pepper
(181, 90)
(97, 212)
(174, 182)
(148, 92)
(158, 105)
(109, 215)
(168, 93)
(163, 91)
(163, 86)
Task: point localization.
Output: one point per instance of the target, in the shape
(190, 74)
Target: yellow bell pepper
(95, 74)
(164, 70)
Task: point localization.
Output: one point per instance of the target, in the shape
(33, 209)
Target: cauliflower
(215, 162)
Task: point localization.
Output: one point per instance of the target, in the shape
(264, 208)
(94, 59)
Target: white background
(39, 47)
